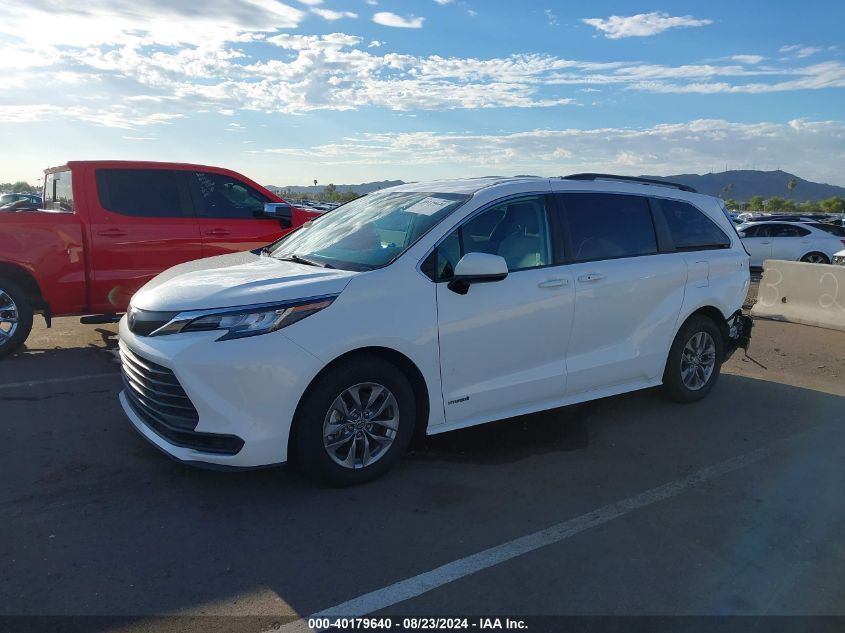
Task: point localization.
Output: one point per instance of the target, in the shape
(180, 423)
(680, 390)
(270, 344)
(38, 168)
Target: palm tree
(315, 182)
(728, 188)
(791, 185)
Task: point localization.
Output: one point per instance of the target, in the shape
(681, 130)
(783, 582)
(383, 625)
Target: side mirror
(279, 210)
(477, 268)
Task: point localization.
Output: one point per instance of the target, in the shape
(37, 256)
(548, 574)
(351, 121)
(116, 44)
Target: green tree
(834, 204)
(755, 203)
(17, 187)
(790, 186)
(776, 203)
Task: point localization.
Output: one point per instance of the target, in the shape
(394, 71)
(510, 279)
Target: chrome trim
(175, 325)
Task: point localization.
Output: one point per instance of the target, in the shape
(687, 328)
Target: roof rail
(645, 181)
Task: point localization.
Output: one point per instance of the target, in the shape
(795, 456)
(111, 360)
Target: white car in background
(813, 242)
(839, 258)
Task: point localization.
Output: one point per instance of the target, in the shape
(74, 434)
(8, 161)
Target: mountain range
(736, 184)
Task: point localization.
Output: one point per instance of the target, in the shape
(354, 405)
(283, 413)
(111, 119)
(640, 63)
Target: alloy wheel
(815, 258)
(698, 360)
(8, 317)
(361, 425)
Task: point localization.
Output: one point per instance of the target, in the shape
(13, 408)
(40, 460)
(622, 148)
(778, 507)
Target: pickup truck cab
(108, 227)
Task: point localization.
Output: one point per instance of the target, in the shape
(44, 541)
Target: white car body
(804, 241)
(541, 338)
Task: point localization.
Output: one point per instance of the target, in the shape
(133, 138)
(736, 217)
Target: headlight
(243, 321)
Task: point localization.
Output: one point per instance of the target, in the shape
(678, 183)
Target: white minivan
(430, 307)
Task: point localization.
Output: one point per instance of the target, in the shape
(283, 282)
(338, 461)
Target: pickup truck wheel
(15, 317)
(354, 422)
(695, 360)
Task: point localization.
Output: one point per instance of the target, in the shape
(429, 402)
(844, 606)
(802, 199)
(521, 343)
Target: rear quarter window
(690, 228)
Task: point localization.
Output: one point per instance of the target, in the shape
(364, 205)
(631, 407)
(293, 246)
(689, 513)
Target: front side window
(58, 191)
(517, 230)
(691, 230)
(226, 197)
(608, 226)
(148, 193)
(369, 232)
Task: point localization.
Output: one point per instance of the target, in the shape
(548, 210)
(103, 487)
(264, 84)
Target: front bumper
(244, 392)
(838, 259)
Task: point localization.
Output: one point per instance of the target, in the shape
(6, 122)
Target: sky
(350, 91)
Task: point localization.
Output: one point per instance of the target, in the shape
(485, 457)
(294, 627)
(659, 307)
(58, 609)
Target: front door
(230, 214)
(758, 242)
(503, 344)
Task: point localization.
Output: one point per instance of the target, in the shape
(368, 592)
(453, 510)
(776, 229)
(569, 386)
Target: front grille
(159, 400)
(156, 390)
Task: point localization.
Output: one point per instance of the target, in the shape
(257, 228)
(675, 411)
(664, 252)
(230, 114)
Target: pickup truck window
(151, 193)
(58, 192)
(226, 197)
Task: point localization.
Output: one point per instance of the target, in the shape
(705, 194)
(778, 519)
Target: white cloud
(551, 17)
(799, 146)
(800, 51)
(160, 22)
(375, 44)
(443, 1)
(642, 24)
(328, 14)
(386, 18)
(748, 59)
(311, 3)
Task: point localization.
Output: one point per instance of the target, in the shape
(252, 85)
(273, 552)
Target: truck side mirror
(282, 211)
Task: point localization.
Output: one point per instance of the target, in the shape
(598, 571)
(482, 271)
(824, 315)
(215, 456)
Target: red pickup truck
(107, 227)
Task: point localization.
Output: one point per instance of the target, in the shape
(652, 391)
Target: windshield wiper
(302, 260)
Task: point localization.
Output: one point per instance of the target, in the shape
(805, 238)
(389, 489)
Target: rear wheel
(815, 258)
(354, 423)
(15, 317)
(695, 360)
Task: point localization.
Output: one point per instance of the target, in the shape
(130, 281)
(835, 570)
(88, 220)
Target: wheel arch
(27, 282)
(715, 315)
(400, 360)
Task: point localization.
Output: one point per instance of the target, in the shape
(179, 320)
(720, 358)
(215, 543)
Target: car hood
(234, 280)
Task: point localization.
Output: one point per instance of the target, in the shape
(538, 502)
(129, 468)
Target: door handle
(553, 283)
(591, 277)
(766, 242)
(112, 233)
(217, 232)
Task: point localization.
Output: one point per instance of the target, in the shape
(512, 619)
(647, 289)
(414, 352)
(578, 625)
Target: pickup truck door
(230, 213)
(141, 222)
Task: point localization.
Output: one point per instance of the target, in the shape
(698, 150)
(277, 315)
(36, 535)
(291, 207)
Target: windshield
(369, 232)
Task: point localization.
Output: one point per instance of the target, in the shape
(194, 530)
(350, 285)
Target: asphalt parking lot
(632, 505)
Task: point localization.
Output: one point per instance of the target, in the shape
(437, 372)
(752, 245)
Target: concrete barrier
(812, 294)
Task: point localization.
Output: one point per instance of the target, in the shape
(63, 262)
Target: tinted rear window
(838, 231)
(690, 228)
(607, 226)
(151, 193)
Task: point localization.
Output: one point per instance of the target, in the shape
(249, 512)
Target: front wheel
(15, 317)
(695, 360)
(354, 422)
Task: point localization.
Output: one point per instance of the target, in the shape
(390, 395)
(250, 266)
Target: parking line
(450, 572)
(50, 381)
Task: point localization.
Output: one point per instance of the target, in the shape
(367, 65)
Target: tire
(324, 435)
(689, 374)
(15, 317)
(816, 258)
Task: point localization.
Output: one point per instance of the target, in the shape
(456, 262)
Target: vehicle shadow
(94, 521)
